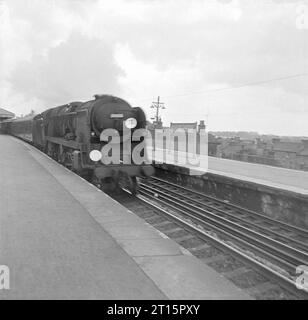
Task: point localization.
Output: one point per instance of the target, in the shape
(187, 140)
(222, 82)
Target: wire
(235, 87)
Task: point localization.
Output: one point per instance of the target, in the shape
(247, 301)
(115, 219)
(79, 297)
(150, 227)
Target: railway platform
(62, 238)
(280, 178)
(288, 180)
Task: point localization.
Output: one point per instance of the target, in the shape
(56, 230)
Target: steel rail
(262, 249)
(281, 224)
(264, 230)
(289, 257)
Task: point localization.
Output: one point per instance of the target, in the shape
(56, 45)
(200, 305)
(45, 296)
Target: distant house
(302, 157)
(5, 115)
(231, 148)
(213, 144)
(249, 150)
(292, 155)
(228, 149)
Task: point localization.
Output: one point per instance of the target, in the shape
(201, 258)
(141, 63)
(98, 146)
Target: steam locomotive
(92, 138)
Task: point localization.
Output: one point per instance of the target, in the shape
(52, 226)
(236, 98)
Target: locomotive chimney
(98, 96)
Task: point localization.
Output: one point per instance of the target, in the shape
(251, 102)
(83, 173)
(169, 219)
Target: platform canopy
(4, 114)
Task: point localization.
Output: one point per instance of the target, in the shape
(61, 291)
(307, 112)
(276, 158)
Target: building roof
(25, 118)
(6, 114)
(183, 125)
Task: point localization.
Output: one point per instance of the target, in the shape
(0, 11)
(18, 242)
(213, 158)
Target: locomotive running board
(67, 143)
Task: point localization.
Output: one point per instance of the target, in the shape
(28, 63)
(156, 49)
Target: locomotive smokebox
(109, 112)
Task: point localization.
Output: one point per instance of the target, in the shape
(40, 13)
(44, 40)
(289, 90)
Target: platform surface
(281, 178)
(64, 239)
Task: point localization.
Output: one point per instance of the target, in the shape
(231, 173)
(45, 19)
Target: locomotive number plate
(116, 115)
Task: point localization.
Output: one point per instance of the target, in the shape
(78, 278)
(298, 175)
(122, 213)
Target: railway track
(271, 248)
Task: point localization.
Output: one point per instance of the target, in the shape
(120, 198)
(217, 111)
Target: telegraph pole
(158, 105)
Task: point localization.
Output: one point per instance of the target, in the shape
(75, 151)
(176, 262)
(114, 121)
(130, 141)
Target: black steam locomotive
(75, 135)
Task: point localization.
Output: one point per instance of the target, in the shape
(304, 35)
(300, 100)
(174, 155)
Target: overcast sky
(53, 52)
